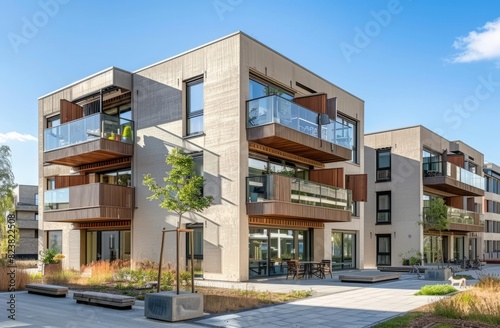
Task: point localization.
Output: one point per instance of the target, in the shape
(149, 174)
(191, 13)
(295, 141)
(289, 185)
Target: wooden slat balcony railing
(90, 202)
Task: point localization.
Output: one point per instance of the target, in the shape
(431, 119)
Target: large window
(343, 250)
(383, 249)
(259, 88)
(384, 207)
(383, 164)
(121, 178)
(354, 134)
(194, 107)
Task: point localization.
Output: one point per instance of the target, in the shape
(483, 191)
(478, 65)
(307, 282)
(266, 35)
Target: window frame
(379, 211)
(379, 253)
(385, 168)
(346, 120)
(190, 115)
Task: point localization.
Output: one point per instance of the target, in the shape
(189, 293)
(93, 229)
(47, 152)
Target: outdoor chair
(326, 268)
(295, 269)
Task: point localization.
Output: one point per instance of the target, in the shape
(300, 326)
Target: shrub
(22, 278)
(436, 290)
(51, 256)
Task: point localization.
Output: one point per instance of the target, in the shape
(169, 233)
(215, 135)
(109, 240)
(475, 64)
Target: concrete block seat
(369, 276)
(105, 299)
(51, 290)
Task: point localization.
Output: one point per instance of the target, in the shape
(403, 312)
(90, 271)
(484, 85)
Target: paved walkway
(334, 304)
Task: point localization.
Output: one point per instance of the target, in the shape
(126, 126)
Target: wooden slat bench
(43, 289)
(105, 299)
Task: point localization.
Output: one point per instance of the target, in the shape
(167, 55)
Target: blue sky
(412, 62)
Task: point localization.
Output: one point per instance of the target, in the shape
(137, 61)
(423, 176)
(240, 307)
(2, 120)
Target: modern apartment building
(491, 210)
(26, 210)
(279, 146)
(406, 168)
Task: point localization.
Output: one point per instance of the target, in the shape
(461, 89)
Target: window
(384, 207)
(197, 241)
(36, 216)
(384, 164)
(121, 178)
(355, 208)
(54, 240)
(354, 135)
(259, 88)
(383, 249)
(36, 199)
(194, 107)
(51, 183)
(53, 121)
(36, 233)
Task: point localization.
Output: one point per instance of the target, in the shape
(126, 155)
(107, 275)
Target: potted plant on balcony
(127, 133)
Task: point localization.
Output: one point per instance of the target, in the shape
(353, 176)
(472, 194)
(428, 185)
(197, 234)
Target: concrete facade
(158, 108)
(26, 210)
(408, 191)
(491, 212)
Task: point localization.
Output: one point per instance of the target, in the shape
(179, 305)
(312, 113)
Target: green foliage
(436, 290)
(183, 189)
(401, 321)
(127, 132)
(436, 218)
(51, 256)
(6, 198)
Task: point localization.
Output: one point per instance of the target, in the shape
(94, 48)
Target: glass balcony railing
(56, 199)
(89, 128)
(283, 188)
(443, 168)
(274, 109)
(456, 215)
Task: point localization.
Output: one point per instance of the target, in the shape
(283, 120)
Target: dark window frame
(385, 168)
(384, 193)
(389, 253)
(197, 113)
(344, 119)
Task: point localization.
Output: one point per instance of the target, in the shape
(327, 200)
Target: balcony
(281, 124)
(280, 196)
(91, 139)
(463, 220)
(452, 179)
(89, 202)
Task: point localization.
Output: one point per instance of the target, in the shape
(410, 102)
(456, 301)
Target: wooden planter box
(51, 268)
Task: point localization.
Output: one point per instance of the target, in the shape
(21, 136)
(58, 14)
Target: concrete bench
(105, 299)
(43, 289)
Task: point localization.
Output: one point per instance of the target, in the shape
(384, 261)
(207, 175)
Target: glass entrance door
(343, 250)
(108, 245)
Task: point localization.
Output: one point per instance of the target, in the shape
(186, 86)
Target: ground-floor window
(384, 249)
(343, 250)
(269, 249)
(108, 245)
(54, 240)
(198, 248)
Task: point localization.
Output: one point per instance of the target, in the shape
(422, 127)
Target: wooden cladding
(69, 111)
(332, 177)
(287, 223)
(458, 159)
(358, 184)
(70, 181)
(106, 225)
(456, 202)
(315, 102)
(111, 164)
(281, 154)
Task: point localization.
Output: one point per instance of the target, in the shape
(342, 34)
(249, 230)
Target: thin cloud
(483, 44)
(16, 136)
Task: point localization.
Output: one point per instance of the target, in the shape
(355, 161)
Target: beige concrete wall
(406, 193)
(219, 64)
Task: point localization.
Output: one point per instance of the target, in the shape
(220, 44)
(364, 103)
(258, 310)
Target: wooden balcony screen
(69, 111)
(358, 184)
(332, 177)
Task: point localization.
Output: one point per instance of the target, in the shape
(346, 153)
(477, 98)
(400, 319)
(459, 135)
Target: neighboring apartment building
(406, 168)
(26, 207)
(280, 149)
(491, 210)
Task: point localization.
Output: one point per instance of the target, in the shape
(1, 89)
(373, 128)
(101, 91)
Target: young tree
(436, 218)
(6, 197)
(182, 192)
